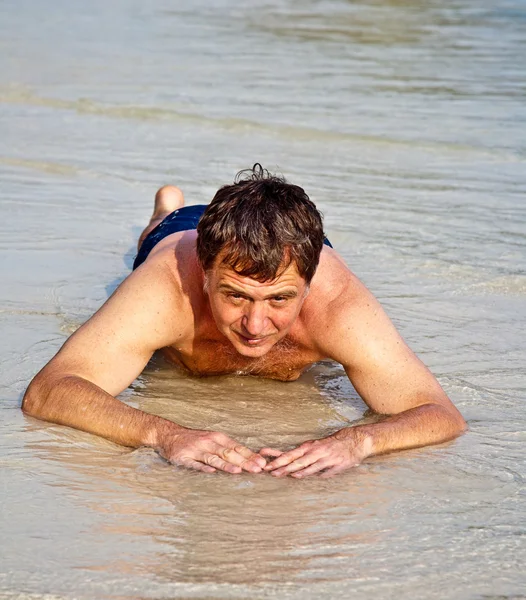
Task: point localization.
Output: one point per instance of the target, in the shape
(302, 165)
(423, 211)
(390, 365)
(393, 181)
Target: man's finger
(270, 452)
(318, 466)
(287, 457)
(213, 460)
(254, 457)
(291, 468)
(299, 464)
(194, 464)
(242, 457)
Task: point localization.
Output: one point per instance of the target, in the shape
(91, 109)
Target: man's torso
(203, 350)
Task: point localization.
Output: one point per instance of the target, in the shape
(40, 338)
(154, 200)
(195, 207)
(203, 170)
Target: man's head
(259, 225)
(259, 243)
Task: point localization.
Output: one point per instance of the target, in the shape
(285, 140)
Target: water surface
(405, 122)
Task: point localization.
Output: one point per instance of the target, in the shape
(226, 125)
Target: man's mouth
(251, 341)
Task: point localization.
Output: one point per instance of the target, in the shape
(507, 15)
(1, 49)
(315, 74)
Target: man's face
(254, 315)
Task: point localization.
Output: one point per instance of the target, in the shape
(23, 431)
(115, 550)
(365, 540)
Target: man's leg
(167, 199)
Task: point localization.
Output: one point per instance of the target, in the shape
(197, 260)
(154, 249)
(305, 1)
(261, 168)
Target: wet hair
(259, 225)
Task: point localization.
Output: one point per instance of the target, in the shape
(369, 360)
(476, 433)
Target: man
(253, 291)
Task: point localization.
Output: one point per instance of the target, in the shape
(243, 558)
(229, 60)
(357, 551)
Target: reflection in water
(252, 529)
(256, 411)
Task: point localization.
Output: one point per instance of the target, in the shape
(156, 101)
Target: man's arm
(77, 387)
(390, 379)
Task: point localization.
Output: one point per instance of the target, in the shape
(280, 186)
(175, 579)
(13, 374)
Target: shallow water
(405, 122)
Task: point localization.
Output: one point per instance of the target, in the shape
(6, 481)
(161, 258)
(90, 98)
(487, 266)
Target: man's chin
(252, 352)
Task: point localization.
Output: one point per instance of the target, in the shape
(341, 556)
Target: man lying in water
(246, 285)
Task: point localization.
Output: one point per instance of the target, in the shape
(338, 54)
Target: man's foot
(167, 199)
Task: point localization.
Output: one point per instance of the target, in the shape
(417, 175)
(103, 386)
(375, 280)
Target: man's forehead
(226, 275)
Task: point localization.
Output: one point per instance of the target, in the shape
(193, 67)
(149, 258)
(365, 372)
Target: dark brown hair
(260, 225)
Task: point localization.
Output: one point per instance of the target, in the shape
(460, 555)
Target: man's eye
(279, 299)
(235, 296)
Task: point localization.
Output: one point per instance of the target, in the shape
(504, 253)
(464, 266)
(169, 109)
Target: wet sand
(406, 124)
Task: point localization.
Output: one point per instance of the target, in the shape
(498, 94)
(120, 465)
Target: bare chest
(286, 361)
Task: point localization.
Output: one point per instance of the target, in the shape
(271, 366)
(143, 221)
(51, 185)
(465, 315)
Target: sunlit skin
(221, 322)
(254, 315)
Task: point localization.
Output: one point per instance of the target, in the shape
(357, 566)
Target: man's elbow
(457, 423)
(35, 397)
(442, 420)
(461, 424)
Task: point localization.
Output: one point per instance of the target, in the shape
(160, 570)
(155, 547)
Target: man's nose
(254, 319)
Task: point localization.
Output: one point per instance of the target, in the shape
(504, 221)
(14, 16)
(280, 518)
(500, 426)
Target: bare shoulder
(148, 311)
(343, 313)
(163, 293)
(351, 327)
(334, 289)
(156, 294)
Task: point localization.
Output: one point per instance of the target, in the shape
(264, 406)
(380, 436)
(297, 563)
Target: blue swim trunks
(182, 219)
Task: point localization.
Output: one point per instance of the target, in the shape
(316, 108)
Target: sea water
(406, 123)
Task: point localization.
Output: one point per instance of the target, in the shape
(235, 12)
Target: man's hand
(208, 451)
(343, 450)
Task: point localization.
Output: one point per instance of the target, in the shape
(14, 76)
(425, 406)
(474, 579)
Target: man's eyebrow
(287, 294)
(230, 288)
(227, 286)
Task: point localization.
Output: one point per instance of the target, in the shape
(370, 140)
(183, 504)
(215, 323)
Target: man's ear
(206, 283)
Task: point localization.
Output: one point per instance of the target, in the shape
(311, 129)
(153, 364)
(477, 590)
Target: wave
(21, 95)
